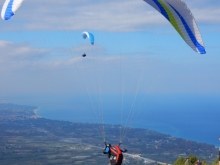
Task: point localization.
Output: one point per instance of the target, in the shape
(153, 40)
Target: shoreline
(134, 127)
(216, 146)
(36, 116)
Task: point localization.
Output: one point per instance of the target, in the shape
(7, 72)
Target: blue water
(192, 117)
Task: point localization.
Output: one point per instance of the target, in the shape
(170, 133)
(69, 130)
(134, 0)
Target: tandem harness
(117, 152)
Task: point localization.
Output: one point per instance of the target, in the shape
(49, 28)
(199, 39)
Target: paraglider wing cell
(9, 8)
(179, 15)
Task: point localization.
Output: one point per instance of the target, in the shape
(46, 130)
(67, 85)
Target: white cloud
(208, 16)
(22, 55)
(20, 51)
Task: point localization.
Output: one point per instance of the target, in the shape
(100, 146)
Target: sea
(188, 116)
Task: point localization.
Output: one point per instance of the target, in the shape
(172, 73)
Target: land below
(30, 139)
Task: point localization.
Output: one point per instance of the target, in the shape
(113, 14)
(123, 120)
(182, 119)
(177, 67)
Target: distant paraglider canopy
(90, 36)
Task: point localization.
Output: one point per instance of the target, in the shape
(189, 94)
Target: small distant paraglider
(9, 8)
(91, 38)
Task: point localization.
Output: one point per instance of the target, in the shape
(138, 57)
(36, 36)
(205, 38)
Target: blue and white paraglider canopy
(90, 36)
(9, 8)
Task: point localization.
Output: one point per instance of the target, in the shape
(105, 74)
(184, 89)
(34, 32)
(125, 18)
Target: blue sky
(136, 50)
(138, 59)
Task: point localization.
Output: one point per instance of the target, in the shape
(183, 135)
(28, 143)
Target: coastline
(36, 116)
(161, 127)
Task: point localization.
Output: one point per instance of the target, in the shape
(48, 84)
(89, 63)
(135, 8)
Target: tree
(192, 159)
(216, 162)
(179, 161)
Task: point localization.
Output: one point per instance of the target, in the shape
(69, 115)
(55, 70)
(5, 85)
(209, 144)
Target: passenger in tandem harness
(114, 154)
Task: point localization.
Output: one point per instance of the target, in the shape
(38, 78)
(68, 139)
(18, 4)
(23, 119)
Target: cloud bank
(123, 15)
